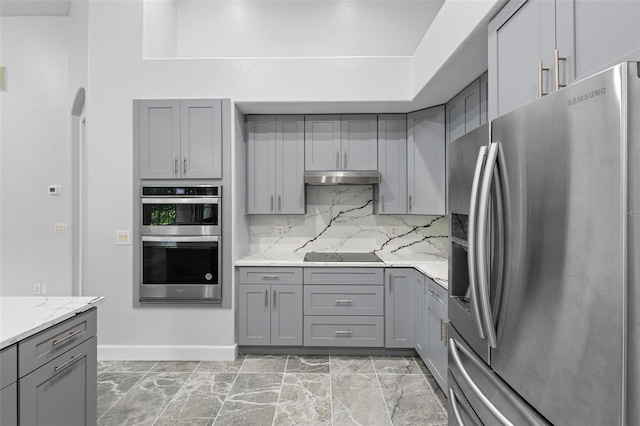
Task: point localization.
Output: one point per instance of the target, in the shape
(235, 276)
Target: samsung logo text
(587, 96)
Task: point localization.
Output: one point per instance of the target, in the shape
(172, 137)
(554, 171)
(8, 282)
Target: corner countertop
(22, 317)
(432, 265)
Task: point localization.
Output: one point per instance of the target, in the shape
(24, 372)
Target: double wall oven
(181, 247)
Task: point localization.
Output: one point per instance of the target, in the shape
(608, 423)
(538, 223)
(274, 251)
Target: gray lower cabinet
(426, 161)
(421, 329)
(352, 331)
(275, 164)
(437, 319)
(391, 197)
(270, 314)
(399, 308)
(9, 386)
(179, 138)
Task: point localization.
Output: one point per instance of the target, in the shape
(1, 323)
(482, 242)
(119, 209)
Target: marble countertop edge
(24, 316)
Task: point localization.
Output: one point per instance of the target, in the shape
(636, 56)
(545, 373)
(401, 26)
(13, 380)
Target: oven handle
(207, 200)
(181, 239)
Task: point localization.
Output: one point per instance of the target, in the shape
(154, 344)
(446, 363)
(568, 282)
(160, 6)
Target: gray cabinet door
(158, 130)
(201, 138)
(261, 164)
(392, 164)
(322, 142)
(437, 345)
(426, 161)
(359, 142)
(62, 392)
(463, 111)
(520, 36)
(289, 165)
(399, 308)
(421, 330)
(254, 316)
(286, 315)
(9, 405)
(484, 98)
(603, 34)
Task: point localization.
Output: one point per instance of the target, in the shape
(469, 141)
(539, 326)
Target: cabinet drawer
(343, 300)
(367, 331)
(350, 276)
(8, 366)
(37, 350)
(257, 275)
(436, 293)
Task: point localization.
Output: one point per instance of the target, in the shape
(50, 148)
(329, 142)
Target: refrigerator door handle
(483, 210)
(454, 406)
(472, 255)
(453, 350)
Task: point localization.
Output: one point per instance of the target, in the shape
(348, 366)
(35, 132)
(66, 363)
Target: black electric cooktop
(315, 256)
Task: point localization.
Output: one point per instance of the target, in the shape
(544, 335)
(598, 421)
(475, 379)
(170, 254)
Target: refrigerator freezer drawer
(491, 399)
(459, 409)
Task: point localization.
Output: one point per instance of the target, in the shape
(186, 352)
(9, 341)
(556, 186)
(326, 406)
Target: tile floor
(270, 390)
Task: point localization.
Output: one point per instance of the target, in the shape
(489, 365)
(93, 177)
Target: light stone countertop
(434, 266)
(22, 317)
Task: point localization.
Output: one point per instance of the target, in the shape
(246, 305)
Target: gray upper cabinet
(525, 35)
(484, 98)
(399, 308)
(275, 164)
(426, 161)
(347, 142)
(392, 164)
(463, 111)
(179, 138)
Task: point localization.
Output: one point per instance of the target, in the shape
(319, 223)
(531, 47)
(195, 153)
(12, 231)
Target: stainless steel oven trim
(181, 200)
(182, 239)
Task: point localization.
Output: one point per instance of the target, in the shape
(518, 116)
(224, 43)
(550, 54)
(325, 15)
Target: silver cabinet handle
(454, 406)
(175, 166)
(557, 59)
(68, 363)
(343, 332)
(471, 265)
(271, 203)
(337, 159)
(266, 298)
(279, 203)
(541, 68)
(442, 327)
(343, 301)
(184, 166)
(67, 337)
(410, 202)
(344, 165)
(270, 277)
(453, 351)
(390, 283)
(381, 203)
(275, 298)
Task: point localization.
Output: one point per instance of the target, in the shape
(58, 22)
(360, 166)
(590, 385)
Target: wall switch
(123, 238)
(54, 189)
(44, 288)
(36, 288)
(61, 228)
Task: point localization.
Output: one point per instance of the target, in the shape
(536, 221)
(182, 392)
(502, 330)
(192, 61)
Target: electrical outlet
(280, 230)
(44, 288)
(36, 288)
(123, 238)
(394, 231)
(61, 228)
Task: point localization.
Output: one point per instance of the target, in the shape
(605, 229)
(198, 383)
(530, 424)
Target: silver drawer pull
(343, 332)
(68, 363)
(271, 277)
(67, 337)
(343, 301)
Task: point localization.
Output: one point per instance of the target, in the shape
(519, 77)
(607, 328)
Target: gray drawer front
(260, 275)
(362, 331)
(340, 276)
(37, 350)
(437, 293)
(8, 366)
(343, 300)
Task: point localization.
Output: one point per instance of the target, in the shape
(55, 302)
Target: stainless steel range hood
(342, 177)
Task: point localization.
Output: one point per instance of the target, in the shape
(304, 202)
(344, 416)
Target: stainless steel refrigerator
(543, 305)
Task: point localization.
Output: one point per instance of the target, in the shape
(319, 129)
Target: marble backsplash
(340, 218)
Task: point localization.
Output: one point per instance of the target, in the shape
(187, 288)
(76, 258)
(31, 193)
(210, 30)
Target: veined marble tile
(145, 401)
(305, 399)
(175, 366)
(395, 365)
(251, 401)
(357, 400)
(264, 364)
(199, 400)
(112, 387)
(308, 364)
(221, 366)
(133, 366)
(351, 364)
(409, 402)
(104, 366)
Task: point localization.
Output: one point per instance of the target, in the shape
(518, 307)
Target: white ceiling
(35, 7)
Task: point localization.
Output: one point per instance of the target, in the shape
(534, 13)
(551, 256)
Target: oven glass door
(180, 216)
(180, 260)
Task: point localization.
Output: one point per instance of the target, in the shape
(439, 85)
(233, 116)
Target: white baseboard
(167, 353)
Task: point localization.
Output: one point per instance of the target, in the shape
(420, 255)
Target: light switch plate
(123, 238)
(61, 228)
